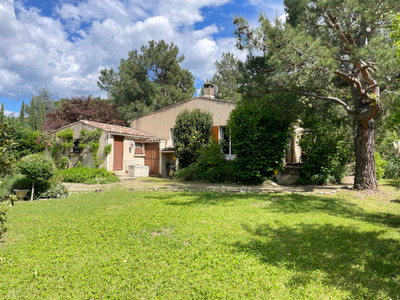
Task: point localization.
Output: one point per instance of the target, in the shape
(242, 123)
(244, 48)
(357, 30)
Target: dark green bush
(326, 146)
(86, 175)
(14, 181)
(259, 138)
(392, 169)
(211, 166)
(191, 132)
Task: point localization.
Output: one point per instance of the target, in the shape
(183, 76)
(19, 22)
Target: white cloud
(65, 52)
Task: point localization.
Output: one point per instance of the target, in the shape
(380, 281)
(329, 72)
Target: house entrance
(118, 153)
(152, 158)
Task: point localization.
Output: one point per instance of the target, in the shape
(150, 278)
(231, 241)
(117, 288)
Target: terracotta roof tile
(115, 129)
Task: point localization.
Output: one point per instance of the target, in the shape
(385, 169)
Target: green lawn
(179, 245)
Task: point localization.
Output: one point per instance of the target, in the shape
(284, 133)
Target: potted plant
(21, 186)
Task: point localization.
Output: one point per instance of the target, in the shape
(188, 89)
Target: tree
(40, 116)
(335, 51)
(148, 80)
(259, 138)
(191, 132)
(37, 167)
(82, 108)
(22, 114)
(395, 32)
(32, 114)
(226, 78)
(6, 145)
(2, 113)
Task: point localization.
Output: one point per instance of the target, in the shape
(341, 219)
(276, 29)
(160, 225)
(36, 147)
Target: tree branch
(334, 99)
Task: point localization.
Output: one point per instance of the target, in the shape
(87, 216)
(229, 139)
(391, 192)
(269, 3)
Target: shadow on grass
(358, 262)
(289, 204)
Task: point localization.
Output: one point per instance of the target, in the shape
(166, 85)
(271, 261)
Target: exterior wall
(161, 122)
(87, 156)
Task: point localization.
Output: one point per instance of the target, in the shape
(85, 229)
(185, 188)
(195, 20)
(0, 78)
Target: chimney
(208, 89)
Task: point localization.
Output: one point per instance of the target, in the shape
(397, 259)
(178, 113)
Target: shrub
(326, 147)
(259, 138)
(86, 175)
(38, 167)
(380, 165)
(211, 166)
(51, 189)
(191, 132)
(392, 168)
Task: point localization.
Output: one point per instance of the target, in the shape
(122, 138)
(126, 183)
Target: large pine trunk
(365, 175)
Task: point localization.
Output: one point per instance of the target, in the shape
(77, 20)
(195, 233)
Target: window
(76, 149)
(139, 148)
(225, 142)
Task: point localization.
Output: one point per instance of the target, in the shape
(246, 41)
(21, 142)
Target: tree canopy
(227, 76)
(148, 80)
(82, 108)
(338, 51)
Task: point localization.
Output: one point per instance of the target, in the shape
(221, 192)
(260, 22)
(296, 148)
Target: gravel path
(158, 184)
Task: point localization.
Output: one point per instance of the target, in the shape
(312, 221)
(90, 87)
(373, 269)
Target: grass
(178, 245)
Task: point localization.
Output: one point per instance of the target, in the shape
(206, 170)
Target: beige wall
(87, 157)
(129, 156)
(161, 122)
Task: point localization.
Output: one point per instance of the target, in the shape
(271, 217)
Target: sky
(62, 45)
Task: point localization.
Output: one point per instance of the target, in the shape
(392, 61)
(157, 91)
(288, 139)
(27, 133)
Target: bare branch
(334, 99)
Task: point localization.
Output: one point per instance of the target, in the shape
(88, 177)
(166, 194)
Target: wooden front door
(118, 153)
(152, 158)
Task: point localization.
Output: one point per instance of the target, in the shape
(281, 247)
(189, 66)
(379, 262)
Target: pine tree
(22, 113)
(32, 114)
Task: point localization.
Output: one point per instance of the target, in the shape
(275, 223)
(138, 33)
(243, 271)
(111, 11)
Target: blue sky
(62, 45)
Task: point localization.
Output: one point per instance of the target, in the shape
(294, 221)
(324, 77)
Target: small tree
(38, 167)
(259, 138)
(191, 132)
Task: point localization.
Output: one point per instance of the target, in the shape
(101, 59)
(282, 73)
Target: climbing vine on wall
(89, 141)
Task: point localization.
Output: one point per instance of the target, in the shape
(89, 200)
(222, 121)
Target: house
(161, 123)
(129, 148)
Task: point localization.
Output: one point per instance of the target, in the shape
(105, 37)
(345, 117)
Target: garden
(120, 243)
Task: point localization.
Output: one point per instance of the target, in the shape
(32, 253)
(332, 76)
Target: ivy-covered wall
(91, 142)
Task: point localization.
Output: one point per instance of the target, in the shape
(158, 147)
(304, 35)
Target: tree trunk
(33, 189)
(365, 175)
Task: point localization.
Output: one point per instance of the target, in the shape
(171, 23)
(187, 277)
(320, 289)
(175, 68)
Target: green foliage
(67, 135)
(192, 131)
(14, 181)
(37, 166)
(395, 32)
(326, 146)
(32, 115)
(6, 144)
(107, 149)
(2, 113)
(211, 166)
(51, 189)
(226, 78)
(259, 137)
(86, 175)
(148, 81)
(380, 165)
(392, 170)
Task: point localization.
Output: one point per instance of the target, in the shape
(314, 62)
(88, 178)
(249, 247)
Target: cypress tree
(32, 114)
(22, 113)
(2, 113)
(41, 116)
